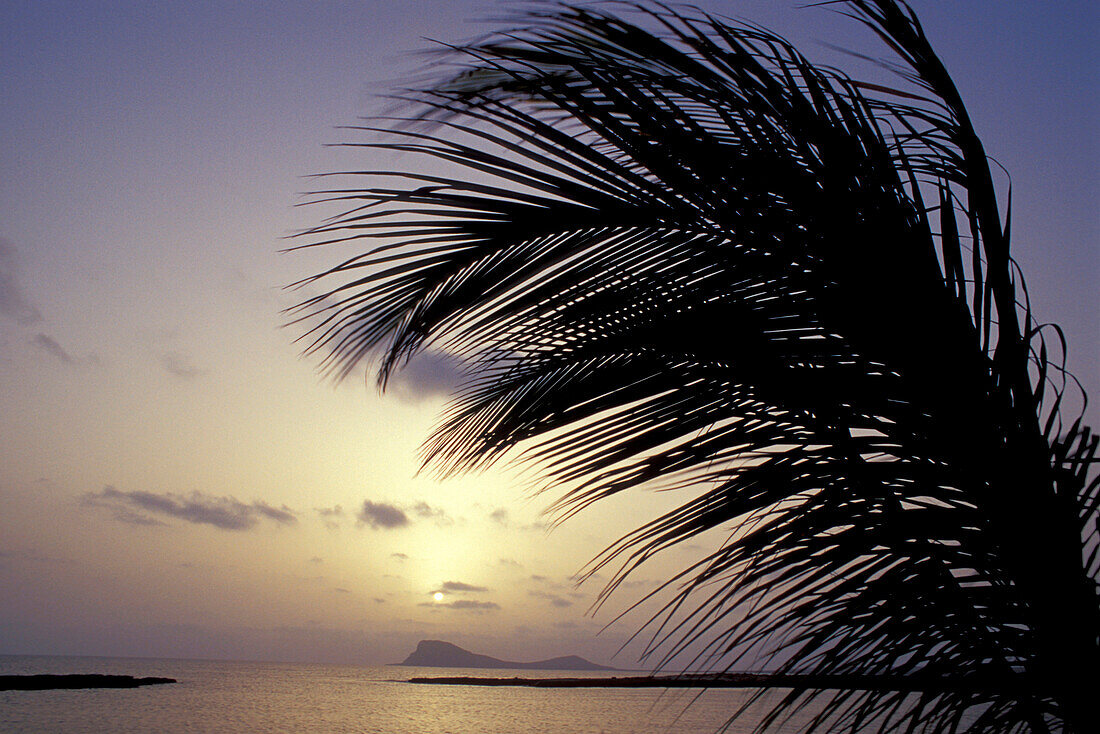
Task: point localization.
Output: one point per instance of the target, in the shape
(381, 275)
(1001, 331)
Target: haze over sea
(223, 696)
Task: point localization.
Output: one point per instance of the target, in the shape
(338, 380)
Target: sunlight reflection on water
(215, 696)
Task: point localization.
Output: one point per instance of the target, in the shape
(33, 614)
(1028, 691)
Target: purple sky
(177, 481)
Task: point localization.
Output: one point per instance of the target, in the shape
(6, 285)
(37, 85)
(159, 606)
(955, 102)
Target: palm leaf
(673, 251)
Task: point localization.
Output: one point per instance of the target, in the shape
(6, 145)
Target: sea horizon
(270, 696)
(336, 698)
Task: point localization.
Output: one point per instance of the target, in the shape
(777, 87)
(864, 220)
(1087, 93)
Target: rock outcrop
(440, 654)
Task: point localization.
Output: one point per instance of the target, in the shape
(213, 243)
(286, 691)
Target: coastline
(735, 680)
(48, 682)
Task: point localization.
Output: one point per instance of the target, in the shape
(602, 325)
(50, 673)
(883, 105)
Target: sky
(179, 481)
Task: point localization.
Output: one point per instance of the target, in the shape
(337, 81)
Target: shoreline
(49, 682)
(734, 680)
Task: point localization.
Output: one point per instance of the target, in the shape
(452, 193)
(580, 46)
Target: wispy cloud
(49, 345)
(382, 515)
(399, 556)
(14, 303)
(552, 598)
(426, 511)
(180, 365)
(331, 516)
(53, 349)
(462, 604)
(499, 516)
(227, 513)
(460, 587)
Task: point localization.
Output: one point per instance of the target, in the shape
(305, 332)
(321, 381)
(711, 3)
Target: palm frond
(676, 251)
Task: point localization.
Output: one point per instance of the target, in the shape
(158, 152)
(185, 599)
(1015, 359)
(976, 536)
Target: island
(988, 683)
(440, 654)
(79, 680)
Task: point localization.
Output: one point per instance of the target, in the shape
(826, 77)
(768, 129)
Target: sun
(438, 596)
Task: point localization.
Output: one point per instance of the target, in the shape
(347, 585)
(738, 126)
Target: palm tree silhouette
(674, 251)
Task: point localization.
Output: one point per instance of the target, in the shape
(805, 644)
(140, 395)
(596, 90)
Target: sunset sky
(178, 481)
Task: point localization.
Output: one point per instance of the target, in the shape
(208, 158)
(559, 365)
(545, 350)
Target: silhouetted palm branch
(676, 252)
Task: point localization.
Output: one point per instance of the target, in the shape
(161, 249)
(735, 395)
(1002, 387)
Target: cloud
(331, 516)
(399, 556)
(457, 587)
(510, 562)
(426, 511)
(13, 301)
(428, 375)
(226, 513)
(317, 559)
(467, 604)
(499, 516)
(49, 345)
(547, 581)
(180, 365)
(380, 515)
(341, 590)
(552, 598)
(131, 517)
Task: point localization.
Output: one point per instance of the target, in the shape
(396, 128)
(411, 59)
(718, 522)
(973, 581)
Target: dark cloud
(379, 600)
(460, 588)
(399, 556)
(499, 516)
(380, 515)
(428, 375)
(180, 365)
(467, 604)
(227, 513)
(13, 301)
(49, 345)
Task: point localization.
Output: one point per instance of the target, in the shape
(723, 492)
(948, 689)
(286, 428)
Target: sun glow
(438, 596)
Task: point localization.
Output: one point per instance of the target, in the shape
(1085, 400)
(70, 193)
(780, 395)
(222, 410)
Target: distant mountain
(439, 654)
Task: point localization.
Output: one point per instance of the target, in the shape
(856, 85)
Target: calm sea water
(218, 696)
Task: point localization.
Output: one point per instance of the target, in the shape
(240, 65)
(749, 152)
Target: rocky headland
(440, 654)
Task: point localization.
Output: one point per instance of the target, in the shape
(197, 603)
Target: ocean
(221, 696)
